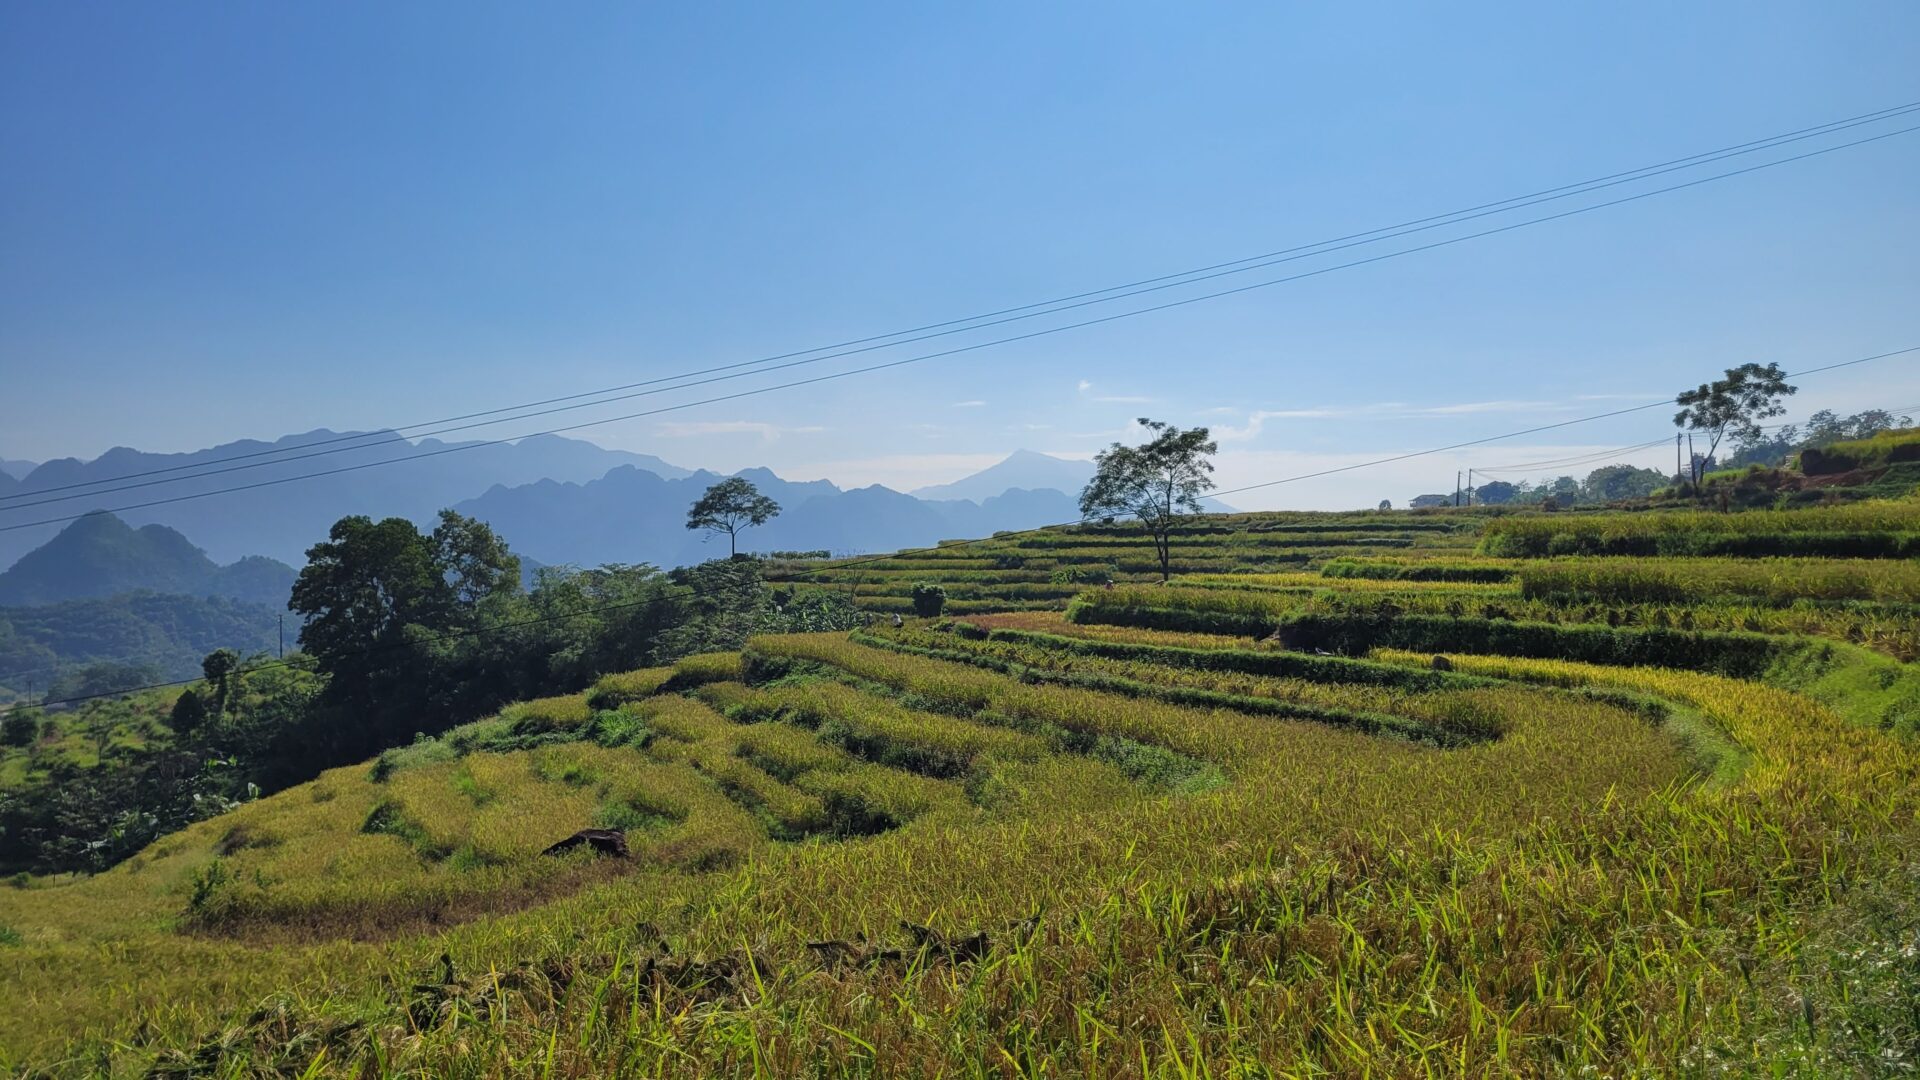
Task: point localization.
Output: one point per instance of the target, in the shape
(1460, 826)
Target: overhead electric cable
(1147, 285)
(987, 344)
(908, 553)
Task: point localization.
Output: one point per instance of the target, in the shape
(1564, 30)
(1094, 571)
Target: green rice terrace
(1433, 793)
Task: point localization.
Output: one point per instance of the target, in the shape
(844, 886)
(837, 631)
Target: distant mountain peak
(98, 555)
(1026, 469)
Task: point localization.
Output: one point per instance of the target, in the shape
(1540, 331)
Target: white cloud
(688, 429)
(1113, 399)
(968, 404)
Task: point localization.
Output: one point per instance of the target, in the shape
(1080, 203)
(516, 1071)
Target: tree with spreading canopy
(1615, 483)
(385, 606)
(729, 506)
(1734, 405)
(1495, 492)
(1156, 482)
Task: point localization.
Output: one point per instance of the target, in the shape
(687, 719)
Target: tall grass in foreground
(1648, 872)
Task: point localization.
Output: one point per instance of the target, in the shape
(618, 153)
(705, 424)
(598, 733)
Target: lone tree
(218, 666)
(729, 506)
(1733, 406)
(1155, 482)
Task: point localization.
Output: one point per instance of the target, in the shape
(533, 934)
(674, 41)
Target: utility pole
(1469, 487)
(1676, 457)
(283, 636)
(1693, 462)
(1456, 487)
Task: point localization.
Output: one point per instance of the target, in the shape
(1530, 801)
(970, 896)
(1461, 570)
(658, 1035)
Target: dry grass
(1579, 894)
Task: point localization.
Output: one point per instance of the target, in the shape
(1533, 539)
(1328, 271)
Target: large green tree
(1733, 405)
(385, 608)
(729, 506)
(1156, 482)
(1614, 483)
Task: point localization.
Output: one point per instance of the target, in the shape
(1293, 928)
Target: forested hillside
(100, 556)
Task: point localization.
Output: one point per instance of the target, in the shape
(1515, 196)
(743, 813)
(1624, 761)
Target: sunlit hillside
(1383, 792)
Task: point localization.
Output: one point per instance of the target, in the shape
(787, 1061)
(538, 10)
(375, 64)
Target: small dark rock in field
(602, 841)
(1441, 663)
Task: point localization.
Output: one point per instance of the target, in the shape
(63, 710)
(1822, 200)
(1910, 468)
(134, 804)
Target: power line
(1582, 459)
(977, 322)
(1566, 462)
(978, 345)
(910, 552)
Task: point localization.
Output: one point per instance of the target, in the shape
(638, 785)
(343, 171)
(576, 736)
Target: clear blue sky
(228, 220)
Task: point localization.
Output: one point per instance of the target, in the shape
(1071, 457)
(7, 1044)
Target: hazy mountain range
(632, 515)
(555, 500)
(281, 517)
(100, 556)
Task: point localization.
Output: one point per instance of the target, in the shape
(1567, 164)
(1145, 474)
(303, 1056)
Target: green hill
(1363, 794)
(99, 556)
(167, 635)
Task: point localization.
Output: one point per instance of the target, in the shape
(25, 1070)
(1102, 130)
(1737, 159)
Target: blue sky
(241, 220)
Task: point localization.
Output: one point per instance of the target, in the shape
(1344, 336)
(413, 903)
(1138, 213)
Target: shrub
(928, 599)
(1738, 655)
(20, 727)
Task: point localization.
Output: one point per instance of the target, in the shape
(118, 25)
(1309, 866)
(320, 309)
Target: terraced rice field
(1354, 795)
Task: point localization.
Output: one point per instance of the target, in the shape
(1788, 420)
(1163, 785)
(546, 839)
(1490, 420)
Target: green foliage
(171, 634)
(1612, 868)
(1733, 405)
(1424, 570)
(20, 726)
(1732, 654)
(729, 506)
(101, 679)
(1154, 482)
(189, 712)
(1775, 581)
(928, 599)
(1824, 428)
(1084, 575)
(1878, 450)
(1865, 530)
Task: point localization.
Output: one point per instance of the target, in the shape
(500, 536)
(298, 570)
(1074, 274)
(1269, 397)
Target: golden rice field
(1354, 796)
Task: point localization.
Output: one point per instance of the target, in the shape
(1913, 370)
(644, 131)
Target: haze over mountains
(100, 556)
(555, 500)
(1021, 469)
(632, 515)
